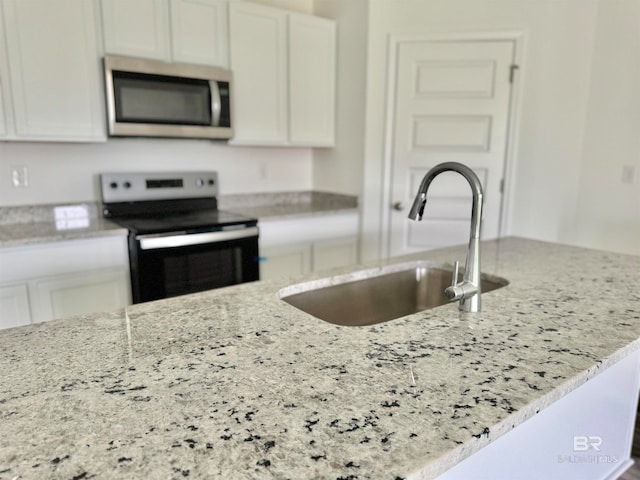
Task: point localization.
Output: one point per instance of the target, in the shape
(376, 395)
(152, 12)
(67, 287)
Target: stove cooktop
(192, 222)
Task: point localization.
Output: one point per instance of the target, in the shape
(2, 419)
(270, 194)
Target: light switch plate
(19, 176)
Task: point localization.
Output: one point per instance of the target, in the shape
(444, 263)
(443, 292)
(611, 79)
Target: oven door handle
(152, 242)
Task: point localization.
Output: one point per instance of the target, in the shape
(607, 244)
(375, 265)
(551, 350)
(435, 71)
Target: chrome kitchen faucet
(467, 291)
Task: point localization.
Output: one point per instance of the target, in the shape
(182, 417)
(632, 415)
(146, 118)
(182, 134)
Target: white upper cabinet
(199, 32)
(138, 28)
(4, 89)
(312, 74)
(284, 76)
(53, 70)
(186, 31)
(3, 126)
(258, 51)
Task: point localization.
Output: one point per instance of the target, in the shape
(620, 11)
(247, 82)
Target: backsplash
(63, 173)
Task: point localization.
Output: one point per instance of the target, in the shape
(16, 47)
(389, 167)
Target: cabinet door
(336, 253)
(14, 306)
(4, 90)
(312, 73)
(199, 32)
(3, 124)
(77, 294)
(54, 69)
(285, 261)
(139, 28)
(258, 58)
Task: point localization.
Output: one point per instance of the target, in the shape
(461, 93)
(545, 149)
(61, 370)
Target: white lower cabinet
(286, 260)
(300, 246)
(14, 305)
(60, 279)
(79, 293)
(334, 253)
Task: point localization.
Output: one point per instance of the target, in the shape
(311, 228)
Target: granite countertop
(27, 225)
(235, 383)
(287, 205)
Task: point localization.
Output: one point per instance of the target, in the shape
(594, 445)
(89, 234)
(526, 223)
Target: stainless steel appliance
(151, 98)
(179, 242)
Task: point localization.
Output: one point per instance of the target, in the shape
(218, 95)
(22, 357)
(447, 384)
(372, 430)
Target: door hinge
(502, 185)
(512, 72)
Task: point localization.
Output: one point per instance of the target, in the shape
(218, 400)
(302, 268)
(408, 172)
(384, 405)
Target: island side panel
(587, 434)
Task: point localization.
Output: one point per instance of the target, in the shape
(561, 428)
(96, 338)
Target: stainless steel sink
(378, 295)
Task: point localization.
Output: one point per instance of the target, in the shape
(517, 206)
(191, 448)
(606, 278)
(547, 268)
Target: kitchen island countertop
(235, 383)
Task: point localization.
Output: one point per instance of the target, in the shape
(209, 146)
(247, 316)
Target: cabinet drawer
(56, 258)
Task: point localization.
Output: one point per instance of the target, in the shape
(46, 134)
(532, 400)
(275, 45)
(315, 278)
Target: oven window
(202, 271)
(168, 272)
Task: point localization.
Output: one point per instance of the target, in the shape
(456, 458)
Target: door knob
(399, 206)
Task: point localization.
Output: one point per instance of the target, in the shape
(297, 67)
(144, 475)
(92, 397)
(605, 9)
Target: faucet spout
(467, 291)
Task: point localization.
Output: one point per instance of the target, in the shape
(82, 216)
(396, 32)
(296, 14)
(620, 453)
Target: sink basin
(378, 295)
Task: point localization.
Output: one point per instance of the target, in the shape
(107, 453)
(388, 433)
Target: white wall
(65, 172)
(554, 86)
(340, 169)
(607, 212)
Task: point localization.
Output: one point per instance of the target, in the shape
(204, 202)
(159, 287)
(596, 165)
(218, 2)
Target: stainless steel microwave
(151, 98)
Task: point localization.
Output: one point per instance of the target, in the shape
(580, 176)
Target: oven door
(177, 263)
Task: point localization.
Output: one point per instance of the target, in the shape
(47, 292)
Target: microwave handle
(216, 103)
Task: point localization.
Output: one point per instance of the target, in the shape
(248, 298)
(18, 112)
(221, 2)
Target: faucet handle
(455, 291)
(454, 279)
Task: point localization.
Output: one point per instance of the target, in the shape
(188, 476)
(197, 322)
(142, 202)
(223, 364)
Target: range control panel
(142, 186)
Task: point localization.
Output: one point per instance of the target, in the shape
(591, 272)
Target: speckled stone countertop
(26, 225)
(276, 206)
(235, 383)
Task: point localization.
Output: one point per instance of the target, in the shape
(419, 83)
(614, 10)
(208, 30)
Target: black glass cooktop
(192, 222)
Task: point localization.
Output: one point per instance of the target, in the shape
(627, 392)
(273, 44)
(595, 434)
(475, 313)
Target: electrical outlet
(19, 176)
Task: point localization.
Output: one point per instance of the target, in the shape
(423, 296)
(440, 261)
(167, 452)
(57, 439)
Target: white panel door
(14, 306)
(3, 128)
(139, 28)
(3, 124)
(452, 102)
(312, 78)
(4, 83)
(54, 70)
(287, 260)
(258, 58)
(81, 293)
(199, 32)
